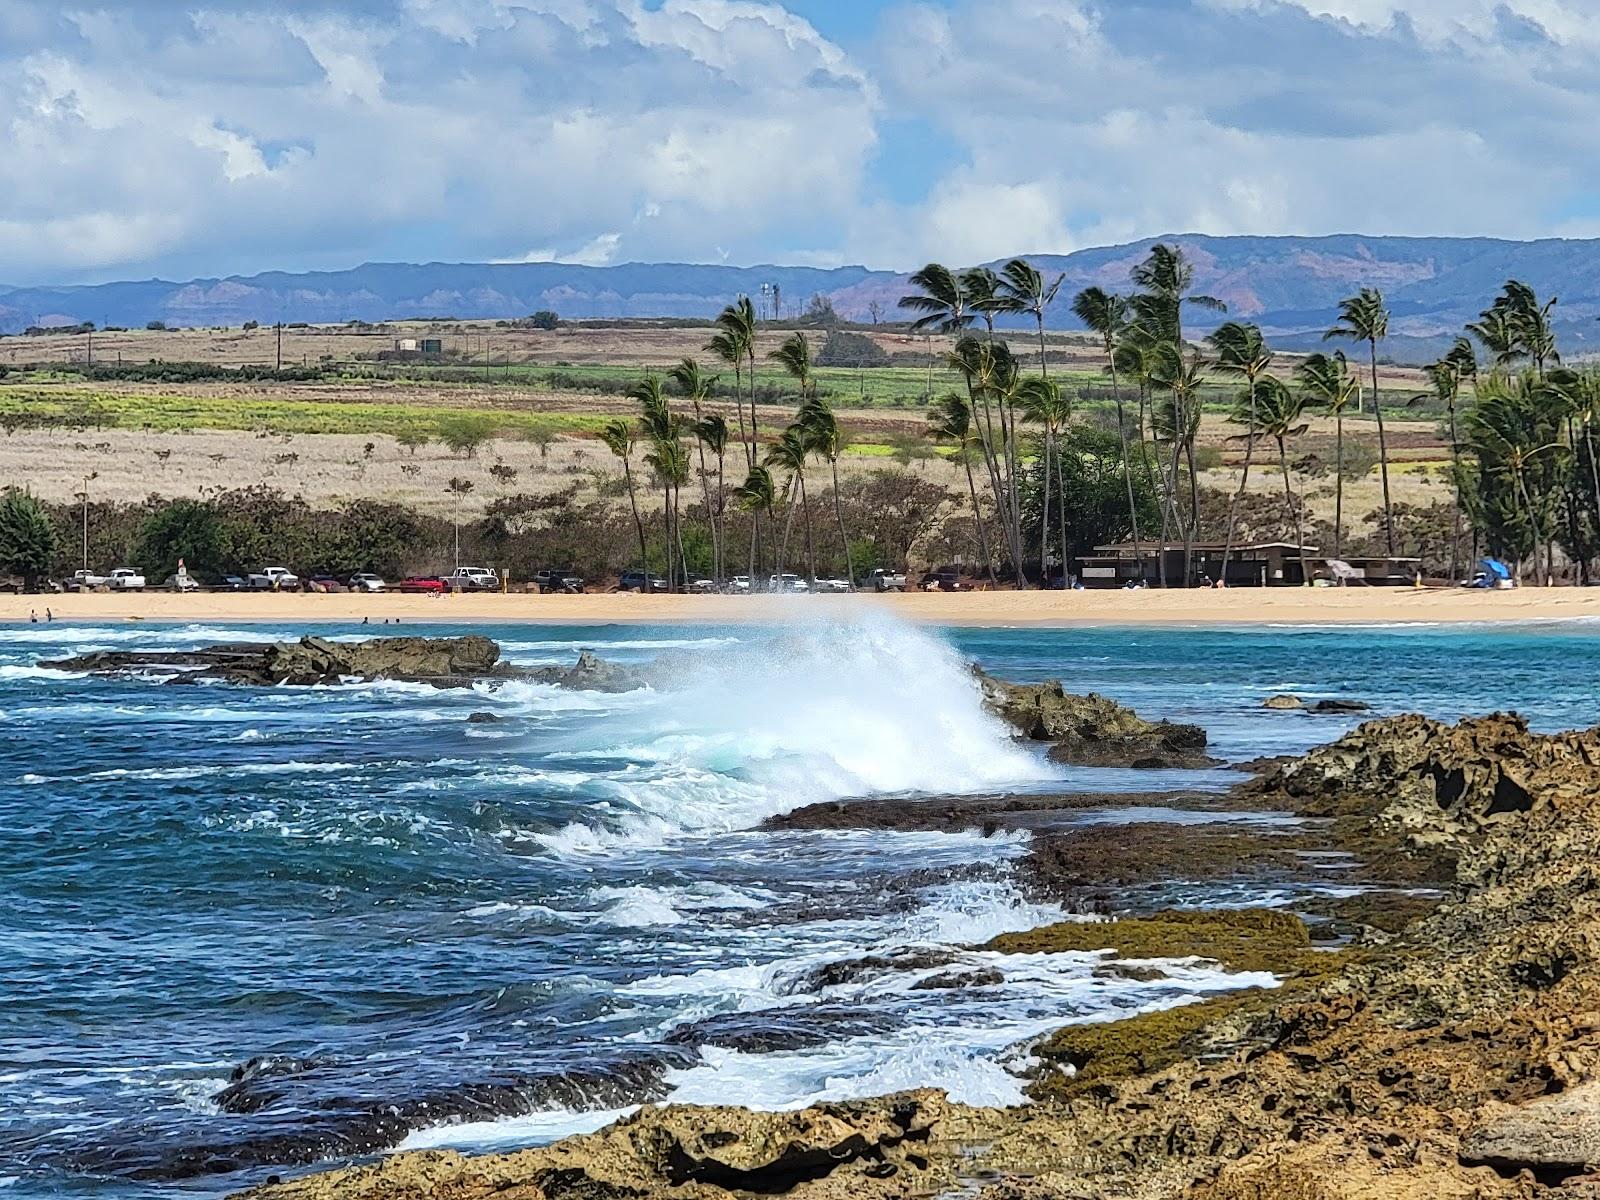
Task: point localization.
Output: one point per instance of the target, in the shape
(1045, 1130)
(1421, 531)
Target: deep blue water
(362, 878)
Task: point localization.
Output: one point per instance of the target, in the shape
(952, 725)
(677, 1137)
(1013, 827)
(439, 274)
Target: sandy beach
(1311, 606)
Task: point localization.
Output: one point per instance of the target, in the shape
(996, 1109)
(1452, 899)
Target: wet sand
(1239, 606)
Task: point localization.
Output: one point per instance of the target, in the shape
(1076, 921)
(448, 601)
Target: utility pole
(90, 360)
(279, 367)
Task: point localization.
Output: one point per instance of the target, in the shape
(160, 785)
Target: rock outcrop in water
(312, 661)
(1458, 1058)
(1092, 730)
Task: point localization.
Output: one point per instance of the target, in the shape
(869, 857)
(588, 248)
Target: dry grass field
(333, 439)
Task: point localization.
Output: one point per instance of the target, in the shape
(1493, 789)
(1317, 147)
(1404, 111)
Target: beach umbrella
(1496, 569)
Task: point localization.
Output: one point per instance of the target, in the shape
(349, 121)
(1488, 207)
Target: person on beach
(33, 617)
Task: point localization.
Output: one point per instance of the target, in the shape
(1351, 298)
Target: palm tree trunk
(666, 524)
(977, 519)
(677, 521)
(1044, 367)
(755, 435)
(1044, 518)
(838, 515)
(1244, 482)
(1127, 464)
(805, 511)
(1594, 468)
(1061, 512)
(1299, 529)
(788, 525)
(755, 560)
(1192, 526)
(638, 521)
(705, 497)
(1383, 453)
(738, 404)
(1338, 492)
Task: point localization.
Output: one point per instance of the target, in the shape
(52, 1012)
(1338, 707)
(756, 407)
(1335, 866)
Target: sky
(163, 138)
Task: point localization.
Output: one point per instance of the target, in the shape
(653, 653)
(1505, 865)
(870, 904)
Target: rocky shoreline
(1432, 1031)
(1450, 1048)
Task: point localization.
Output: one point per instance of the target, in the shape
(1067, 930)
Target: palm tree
(756, 495)
(789, 453)
(795, 357)
(1327, 382)
(1275, 411)
(725, 344)
(1166, 280)
(981, 288)
(1043, 401)
(670, 461)
(711, 431)
(618, 437)
(990, 373)
(1363, 318)
(736, 326)
(950, 420)
(823, 435)
(1022, 289)
(942, 304)
(662, 428)
(1241, 351)
(1446, 374)
(1180, 378)
(696, 387)
(942, 301)
(1513, 428)
(1107, 315)
(1581, 393)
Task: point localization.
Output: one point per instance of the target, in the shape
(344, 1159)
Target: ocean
(492, 917)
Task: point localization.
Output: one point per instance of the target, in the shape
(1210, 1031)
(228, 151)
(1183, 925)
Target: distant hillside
(1289, 285)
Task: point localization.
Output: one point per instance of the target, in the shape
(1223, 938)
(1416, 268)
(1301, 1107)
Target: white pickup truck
(125, 579)
(473, 579)
(85, 581)
(277, 579)
(886, 579)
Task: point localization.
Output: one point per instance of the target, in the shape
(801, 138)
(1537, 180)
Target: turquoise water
(502, 930)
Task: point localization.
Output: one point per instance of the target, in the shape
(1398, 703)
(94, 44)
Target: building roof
(1119, 549)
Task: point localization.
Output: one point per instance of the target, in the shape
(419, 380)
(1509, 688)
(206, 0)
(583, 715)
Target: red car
(426, 584)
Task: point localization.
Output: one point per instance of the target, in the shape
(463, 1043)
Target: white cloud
(242, 136)
(229, 135)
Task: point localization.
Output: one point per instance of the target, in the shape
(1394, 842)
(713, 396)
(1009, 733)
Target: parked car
(885, 579)
(787, 582)
(182, 583)
(125, 579)
(830, 586)
(85, 581)
(277, 579)
(558, 579)
(366, 581)
(641, 581)
(945, 581)
(739, 585)
(423, 584)
(230, 583)
(323, 582)
(700, 585)
(474, 579)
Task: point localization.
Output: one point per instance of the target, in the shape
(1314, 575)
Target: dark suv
(558, 579)
(641, 581)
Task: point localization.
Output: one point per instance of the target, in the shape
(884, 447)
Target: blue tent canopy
(1495, 569)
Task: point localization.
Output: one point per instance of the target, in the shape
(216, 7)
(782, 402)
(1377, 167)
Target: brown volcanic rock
(1092, 730)
(1461, 1059)
(887, 1147)
(310, 661)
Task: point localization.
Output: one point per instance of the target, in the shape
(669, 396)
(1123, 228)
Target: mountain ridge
(1289, 285)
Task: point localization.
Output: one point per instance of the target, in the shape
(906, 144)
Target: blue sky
(226, 136)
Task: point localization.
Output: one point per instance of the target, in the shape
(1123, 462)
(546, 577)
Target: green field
(21, 407)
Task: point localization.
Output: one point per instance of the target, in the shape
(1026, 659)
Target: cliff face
(1458, 1058)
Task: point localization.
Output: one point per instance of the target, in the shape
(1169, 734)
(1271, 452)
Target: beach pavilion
(1254, 564)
